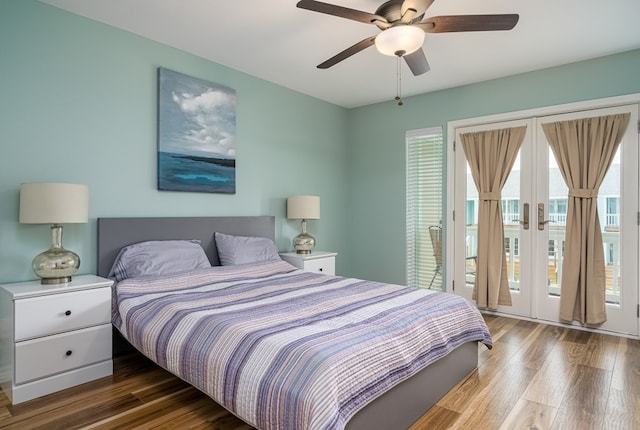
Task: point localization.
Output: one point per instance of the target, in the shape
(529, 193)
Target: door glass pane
(609, 214)
(557, 216)
(511, 222)
(471, 230)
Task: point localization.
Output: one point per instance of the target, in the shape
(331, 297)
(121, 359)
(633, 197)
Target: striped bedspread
(286, 349)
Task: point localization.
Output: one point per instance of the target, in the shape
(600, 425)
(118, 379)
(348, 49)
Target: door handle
(541, 220)
(525, 216)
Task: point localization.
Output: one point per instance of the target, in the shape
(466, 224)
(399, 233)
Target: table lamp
(55, 204)
(303, 208)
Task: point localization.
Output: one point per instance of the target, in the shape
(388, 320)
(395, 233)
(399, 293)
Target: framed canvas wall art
(196, 134)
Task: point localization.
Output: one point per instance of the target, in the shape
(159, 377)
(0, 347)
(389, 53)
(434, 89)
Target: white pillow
(244, 249)
(159, 257)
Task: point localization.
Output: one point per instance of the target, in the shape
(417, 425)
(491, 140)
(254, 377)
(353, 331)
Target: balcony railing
(612, 219)
(611, 243)
(559, 219)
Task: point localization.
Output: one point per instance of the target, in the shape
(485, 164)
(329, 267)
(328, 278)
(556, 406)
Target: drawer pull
(320, 269)
(68, 353)
(67, 313)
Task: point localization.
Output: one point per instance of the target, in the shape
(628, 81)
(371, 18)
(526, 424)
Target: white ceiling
(275, 41)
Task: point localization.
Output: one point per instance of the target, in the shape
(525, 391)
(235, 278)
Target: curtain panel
(491, 155)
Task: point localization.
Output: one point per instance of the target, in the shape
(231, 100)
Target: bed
(393, 398)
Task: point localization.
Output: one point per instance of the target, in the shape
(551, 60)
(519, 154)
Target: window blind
(424, 184)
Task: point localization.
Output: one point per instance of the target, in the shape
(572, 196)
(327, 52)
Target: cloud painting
(196, 134)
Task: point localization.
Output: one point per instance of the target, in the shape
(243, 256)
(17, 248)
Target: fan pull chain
(399, 78)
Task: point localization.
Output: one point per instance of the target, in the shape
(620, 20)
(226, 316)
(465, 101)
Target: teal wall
(377, 145)
(78, 104)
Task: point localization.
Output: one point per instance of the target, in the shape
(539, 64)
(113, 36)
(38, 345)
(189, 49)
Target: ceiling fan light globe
(405, 38)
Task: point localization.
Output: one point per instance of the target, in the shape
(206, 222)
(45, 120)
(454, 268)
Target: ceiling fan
(403, 28)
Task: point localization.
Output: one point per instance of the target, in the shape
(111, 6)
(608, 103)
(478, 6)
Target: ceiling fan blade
(417, 62)
(454, 23)
(342, 12)
(354, 49)
(412, 9)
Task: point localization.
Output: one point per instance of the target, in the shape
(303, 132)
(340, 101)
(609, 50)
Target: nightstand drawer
(55, 313)
(316, 262)
(325, 266)
(61, 352)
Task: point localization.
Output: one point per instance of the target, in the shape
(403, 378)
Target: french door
(534, 206)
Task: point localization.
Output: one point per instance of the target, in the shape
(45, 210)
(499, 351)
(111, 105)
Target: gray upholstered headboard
(115, 233)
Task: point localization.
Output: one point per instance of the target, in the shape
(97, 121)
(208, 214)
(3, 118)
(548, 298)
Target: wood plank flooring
(536, 377)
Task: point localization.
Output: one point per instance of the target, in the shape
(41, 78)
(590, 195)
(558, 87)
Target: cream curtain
(491, 155)
(584, 150)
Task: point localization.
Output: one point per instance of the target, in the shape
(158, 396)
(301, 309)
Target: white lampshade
(303, 207)
(53, 203)
(401, 38)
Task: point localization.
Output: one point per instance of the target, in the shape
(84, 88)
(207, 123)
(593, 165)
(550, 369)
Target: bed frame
(398, 408)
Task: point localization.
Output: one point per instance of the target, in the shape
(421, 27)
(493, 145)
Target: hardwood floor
(545, 377)
(536, 377)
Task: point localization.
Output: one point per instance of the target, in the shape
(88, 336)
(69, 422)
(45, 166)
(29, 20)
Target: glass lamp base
(56, 265)
(304, 243)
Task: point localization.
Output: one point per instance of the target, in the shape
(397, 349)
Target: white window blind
(424, 204)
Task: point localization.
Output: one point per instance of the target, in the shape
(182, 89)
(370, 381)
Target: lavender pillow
(159, 257)
(234, 250)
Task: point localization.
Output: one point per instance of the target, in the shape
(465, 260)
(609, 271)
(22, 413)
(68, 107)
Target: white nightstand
(317, 261)
(54, 336)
